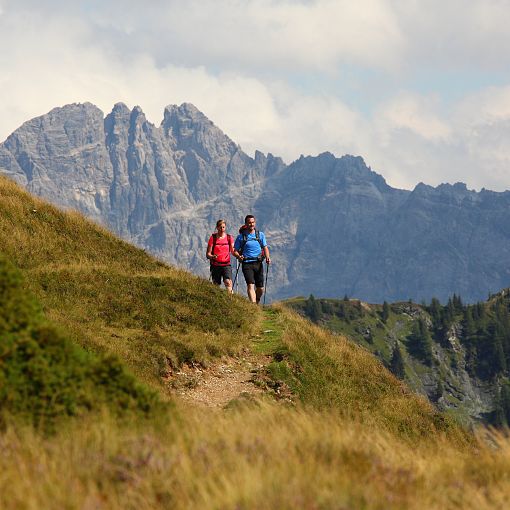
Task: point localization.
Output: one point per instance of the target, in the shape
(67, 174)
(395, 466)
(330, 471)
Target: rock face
(334, 226)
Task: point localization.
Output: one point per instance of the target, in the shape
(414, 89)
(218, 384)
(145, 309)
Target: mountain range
(334, 226)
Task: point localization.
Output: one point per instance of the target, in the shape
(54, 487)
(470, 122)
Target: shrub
(43, 375)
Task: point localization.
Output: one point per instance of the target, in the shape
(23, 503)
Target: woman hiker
(219, 248)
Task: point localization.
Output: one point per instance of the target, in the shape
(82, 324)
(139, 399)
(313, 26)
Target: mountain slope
(354, 435)
(333, 224)
(112, 297)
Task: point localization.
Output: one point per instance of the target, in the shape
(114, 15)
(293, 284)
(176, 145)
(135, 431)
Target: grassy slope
(112, 297)
(359, 439)
(331, 372)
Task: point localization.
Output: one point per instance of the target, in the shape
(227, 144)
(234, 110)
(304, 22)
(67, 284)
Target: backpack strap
(257, 237)
(243, 244)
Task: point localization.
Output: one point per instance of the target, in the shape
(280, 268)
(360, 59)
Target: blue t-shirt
(252, 248)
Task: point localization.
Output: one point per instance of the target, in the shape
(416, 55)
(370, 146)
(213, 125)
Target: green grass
(112, 297)
(331, 373)
(44, 376)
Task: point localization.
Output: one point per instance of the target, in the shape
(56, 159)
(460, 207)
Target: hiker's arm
(266, 253)
(231, 246)
(209, 253)
(236, 248)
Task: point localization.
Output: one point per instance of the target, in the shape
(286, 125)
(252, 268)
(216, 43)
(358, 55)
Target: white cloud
(486, 106)
(231, 58)
(276, 34)
(455, 34)
(416, 143)
(289, 34)
(415, 113)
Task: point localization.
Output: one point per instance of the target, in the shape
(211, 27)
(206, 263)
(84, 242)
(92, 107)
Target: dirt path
(230, 378)
(221, 381)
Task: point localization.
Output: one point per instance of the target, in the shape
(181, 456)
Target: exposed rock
(335, 227)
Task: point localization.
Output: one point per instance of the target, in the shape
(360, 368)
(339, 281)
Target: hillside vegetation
(44, 376)
(112, 297)
(353, 435)
(457, 355)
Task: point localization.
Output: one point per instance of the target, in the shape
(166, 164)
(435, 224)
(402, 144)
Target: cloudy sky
(419, 88)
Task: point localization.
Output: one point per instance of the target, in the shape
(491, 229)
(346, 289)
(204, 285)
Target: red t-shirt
(222, 248)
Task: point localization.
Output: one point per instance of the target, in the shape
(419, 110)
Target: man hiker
(219, 249)
(251, 249)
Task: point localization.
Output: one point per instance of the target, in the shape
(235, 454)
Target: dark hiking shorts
(219, 272)
(254, 273)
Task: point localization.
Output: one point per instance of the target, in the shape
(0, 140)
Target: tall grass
(44, 377)
(331, 372)
(264, 456)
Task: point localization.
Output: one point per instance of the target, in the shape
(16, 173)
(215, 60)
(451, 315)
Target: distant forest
(483, 329)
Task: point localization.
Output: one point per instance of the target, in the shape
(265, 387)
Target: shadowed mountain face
(334, 226)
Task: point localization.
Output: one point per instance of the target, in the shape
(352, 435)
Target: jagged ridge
(334, 225)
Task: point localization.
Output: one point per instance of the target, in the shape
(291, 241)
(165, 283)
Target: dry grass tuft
(264, 456)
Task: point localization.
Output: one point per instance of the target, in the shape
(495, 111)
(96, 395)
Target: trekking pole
(237, 272)
(265, 285)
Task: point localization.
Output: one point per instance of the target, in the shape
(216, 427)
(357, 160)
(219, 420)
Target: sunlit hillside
(348, 434)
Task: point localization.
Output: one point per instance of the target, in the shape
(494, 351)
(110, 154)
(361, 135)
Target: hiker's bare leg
(259, 293)
(251, 292)
(228, 285)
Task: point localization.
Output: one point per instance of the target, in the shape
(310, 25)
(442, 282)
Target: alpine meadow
(103, 348)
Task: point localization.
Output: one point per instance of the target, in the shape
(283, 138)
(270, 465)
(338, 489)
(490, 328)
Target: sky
(419, 89)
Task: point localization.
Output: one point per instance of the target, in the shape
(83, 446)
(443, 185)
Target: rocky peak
(163, 188)
(190, 129)
(454, 194)
(119, 114)
(137, 125)
(59, 131)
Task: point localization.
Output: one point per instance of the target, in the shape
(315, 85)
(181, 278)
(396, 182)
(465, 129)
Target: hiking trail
(229, 378)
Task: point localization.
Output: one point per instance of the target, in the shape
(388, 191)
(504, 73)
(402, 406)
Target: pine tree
(468, 325)
(450, 311)
(472, 359)
(435, 312)
(385, 312)
(481, 311)
(313, 309)
(444, 329)
(420, 342)
(397, 363)
(499, 357)
(457, 304)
